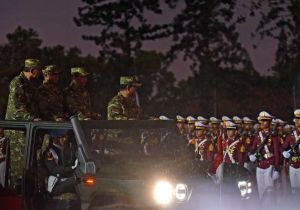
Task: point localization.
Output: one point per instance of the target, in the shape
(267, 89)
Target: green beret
(79, 70)
(31, 63)
(50, 69)
(129, 80)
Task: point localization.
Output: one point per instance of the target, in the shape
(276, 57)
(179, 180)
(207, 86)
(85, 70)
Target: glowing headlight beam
(163, 192)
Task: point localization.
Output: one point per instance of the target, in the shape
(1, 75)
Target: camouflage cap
(129, 80)
(80, 71)
(31, 63)
(50, 69)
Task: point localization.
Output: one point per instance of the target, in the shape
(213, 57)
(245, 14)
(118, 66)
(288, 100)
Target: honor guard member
(225, 119)
(62, 180)
(50, 97)
(180, 122)
(280, 130)
(125, 105)
(77, 98)
(21, 106)
(291, 153)
(191, 132)
(248, 136)
(239, 122)
(274, 125)
(203, 120)
(266, 151)
(231, 151)
(215, 129)
(234, 151)
(205, 149)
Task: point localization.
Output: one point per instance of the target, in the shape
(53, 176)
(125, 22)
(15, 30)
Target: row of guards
(270, 148)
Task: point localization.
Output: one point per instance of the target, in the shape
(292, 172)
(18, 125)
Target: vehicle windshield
(138, 152)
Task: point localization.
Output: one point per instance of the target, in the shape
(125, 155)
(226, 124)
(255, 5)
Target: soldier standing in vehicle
(50, 97)
(21, 106)
(124, 106)
(62, 180)
(266, 151)
(291, 153)
(77, 98)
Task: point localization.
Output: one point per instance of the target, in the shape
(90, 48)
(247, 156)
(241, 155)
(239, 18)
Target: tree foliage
(280, 20)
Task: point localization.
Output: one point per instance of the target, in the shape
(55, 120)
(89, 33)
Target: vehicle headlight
(245, 188)
(181, 192)
(163, 192)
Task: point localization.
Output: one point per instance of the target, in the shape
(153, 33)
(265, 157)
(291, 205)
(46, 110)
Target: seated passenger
(62, 179)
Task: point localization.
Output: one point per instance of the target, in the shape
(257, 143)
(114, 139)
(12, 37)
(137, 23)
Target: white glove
(275, 175)
(75, 164)
(252, 158)
(286, 154)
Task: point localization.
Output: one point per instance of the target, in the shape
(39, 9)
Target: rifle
(293, 149)
(260, 148)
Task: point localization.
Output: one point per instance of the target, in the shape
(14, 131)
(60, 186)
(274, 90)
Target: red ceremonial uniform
(270, 154)
(290, 141)
(205, 149)
(234, 151)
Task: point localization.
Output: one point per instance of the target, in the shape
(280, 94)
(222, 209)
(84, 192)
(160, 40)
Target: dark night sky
(53, 20)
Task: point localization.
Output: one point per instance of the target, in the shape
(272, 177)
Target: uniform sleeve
(18, 95)
(115, 112)
(55, 169)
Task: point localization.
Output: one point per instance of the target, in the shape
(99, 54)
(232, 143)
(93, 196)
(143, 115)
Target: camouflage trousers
(17, 162)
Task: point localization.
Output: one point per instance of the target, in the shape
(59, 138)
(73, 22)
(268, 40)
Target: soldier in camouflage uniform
(123, 106)
(50, 97)
(77, 98)
(21, 106)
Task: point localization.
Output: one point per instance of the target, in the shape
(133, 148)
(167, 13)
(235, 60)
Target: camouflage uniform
(121, 108)
(77, 98)
(50, 98)
(21, 106)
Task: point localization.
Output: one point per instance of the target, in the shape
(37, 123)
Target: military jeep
(128, 165)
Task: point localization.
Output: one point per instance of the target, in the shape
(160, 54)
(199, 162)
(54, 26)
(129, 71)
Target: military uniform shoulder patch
(242, 149)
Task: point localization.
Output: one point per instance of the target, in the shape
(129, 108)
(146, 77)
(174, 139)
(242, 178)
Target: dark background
(199, 85)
